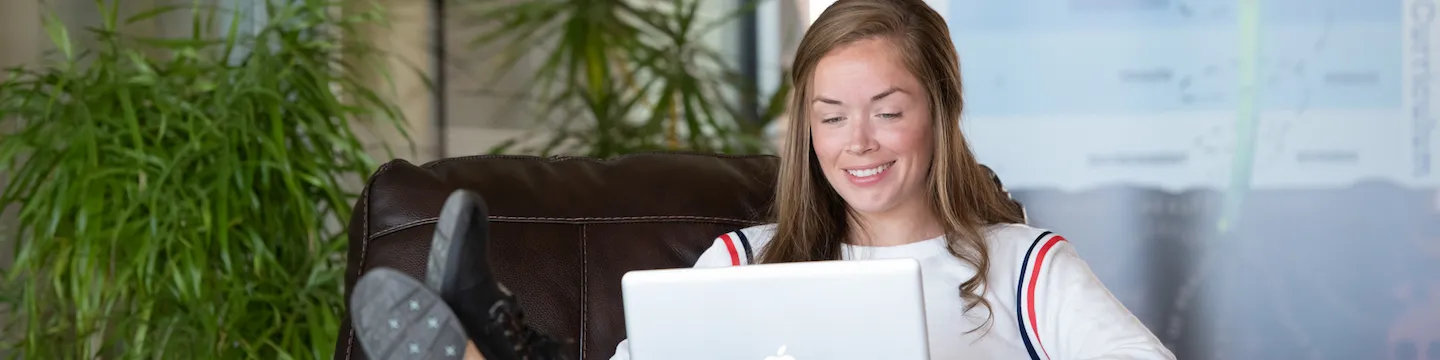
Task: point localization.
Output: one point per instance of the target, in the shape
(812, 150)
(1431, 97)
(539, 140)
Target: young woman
(875, 166)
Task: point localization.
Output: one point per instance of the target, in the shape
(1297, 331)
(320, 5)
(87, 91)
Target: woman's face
(870, 126)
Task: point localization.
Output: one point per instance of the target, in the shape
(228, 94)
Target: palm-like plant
(619, 76)
(173, 193)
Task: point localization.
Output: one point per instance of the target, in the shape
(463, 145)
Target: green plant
(620, 76)
(174, 193)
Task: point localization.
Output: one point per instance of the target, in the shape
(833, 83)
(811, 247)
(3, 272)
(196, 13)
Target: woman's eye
(830, 120)
(889, 116)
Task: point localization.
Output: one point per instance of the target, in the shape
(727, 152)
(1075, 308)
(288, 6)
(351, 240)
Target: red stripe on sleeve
(1030, 289)
(730, 245)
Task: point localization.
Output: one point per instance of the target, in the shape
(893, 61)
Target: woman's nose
(862, 139)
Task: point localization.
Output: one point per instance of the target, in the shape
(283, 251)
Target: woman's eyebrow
(879, 96)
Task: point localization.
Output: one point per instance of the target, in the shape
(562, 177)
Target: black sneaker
(397, 317)
(459, 269)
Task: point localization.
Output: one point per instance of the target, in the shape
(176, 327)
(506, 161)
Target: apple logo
(780, 355)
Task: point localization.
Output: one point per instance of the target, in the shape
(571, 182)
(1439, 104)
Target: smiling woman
(870, 123)
(874, 165)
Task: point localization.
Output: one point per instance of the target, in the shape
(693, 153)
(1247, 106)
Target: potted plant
(624, 76)
(178, 197)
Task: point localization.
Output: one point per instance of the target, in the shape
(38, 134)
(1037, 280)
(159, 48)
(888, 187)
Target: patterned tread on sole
(396, 317)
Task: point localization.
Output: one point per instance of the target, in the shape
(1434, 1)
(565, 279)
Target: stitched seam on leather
(560, 158)
(620, 218)
(364, 248)
(411, 224)
(624, 219)
(577, 221)
(584, 286)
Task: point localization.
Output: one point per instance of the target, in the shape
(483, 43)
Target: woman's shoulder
(755, 236)
(1006, 242)
(738, 247)
(1015, 241)
(761, 233)
(1013, 238)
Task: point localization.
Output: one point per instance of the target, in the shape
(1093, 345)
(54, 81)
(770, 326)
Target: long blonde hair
(811, 216)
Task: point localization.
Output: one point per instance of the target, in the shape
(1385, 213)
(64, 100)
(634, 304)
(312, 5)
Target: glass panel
(1255, 180)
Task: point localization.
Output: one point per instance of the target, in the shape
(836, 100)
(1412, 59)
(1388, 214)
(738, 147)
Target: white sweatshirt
(1046, 302)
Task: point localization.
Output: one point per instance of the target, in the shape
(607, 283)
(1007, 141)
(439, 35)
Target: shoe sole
(455, 218)
(397, 317)
(464, 218)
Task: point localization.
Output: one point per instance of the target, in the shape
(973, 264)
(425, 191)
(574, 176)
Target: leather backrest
(564, 229)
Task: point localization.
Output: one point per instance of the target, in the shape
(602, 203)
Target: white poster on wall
(1185, 94)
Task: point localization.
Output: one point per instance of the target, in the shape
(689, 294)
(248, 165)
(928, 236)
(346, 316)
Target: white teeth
(869, 172)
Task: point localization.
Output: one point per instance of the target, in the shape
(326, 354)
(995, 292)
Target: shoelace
(524, 338)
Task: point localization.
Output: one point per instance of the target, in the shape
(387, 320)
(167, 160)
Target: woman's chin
(869, 203)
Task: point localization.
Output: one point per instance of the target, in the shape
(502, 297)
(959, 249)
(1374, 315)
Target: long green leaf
(171, 191)
(610, 51)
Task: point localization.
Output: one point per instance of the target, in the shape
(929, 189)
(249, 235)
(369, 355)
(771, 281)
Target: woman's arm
(718, 255)
(1069, 315)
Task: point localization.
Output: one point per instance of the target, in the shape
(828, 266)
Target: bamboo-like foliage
(623, 76)
(174, 193)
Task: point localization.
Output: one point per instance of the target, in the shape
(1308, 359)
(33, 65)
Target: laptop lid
(837, 310)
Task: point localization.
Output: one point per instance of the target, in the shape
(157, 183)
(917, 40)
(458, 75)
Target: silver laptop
(833, 310)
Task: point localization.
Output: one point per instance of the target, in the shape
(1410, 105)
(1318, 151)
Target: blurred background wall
(1255, 179)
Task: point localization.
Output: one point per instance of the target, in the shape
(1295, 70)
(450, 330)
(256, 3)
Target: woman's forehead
(862, 71)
